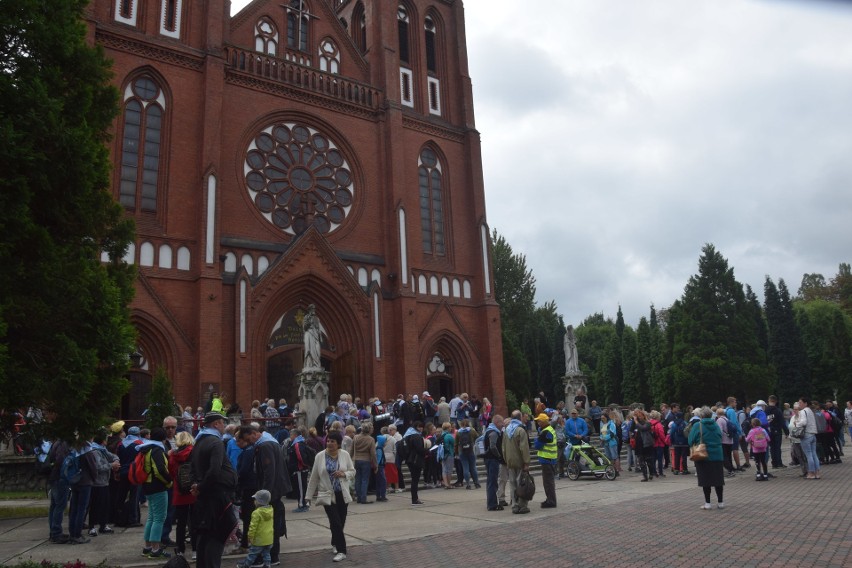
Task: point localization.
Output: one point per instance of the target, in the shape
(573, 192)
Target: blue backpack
(71, 470)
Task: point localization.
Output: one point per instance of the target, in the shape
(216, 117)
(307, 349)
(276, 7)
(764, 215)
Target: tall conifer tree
(713, 346)
(786, 349)
(65, 328)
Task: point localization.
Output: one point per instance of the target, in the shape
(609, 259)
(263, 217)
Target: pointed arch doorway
(285, 356)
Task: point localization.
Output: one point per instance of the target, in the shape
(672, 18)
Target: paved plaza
(786, 520)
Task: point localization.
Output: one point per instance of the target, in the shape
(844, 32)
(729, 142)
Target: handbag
(797, 432)
(323, 498)
(698, 452)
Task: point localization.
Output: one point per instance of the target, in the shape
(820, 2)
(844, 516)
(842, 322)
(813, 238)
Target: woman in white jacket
(333, 470)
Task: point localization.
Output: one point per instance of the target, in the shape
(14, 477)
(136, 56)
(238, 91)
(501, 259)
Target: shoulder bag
(698, 452)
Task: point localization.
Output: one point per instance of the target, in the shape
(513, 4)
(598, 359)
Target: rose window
(297, 178)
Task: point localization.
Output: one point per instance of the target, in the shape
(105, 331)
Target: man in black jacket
(777, 425)
(272, 475)
(215, 483)
(416, 457)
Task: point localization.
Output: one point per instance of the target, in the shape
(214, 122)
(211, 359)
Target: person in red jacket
(659, 444)
(182, 501)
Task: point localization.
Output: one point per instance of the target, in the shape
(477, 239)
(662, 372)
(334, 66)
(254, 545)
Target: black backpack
(465, 442)
(184, 478)
(402, 451)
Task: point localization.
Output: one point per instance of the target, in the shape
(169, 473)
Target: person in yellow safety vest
(547, 457)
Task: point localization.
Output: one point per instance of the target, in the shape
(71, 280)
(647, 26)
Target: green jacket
(260, 527)
(708, 432)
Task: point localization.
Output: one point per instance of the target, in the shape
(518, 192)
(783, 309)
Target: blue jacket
(576, 429)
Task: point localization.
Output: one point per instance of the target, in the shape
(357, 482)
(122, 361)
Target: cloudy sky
(620, 137)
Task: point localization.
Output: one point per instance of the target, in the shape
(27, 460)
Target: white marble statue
(572, 364)
(313, 332)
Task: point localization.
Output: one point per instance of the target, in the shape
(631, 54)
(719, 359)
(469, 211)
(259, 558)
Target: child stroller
(585, 459)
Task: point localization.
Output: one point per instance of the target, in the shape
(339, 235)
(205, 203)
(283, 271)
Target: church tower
(303, 152)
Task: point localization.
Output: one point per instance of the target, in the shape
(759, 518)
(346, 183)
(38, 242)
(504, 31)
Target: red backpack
(137, 474)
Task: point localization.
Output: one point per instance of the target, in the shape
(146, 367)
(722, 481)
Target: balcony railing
(302, 77)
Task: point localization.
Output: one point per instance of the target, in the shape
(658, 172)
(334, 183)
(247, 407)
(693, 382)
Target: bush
(511, 402)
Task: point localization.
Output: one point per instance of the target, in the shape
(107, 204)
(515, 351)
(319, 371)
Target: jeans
(79, 503)
(659, 453)
(158, 504)
(775, 448)
(362, 479)
(381, 483)
(256, 552)
(468, 462)
(809, 447)
(170, 517)
(492, 469)
(59, 493)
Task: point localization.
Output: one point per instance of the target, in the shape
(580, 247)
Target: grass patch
(12, 495)
(22, 512)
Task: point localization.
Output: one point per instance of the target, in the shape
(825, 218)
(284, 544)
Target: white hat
(760, 403)
(426, 393)
(415, 399)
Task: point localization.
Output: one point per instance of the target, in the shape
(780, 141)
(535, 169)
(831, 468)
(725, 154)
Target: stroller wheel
(609, 472)
(573, 470)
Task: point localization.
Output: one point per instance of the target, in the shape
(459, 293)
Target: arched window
(170, 17)
(329, 56)
(125, 11)
(297, 25)
(432, 81)
(144, 106)
(431, 203)
(266, 37)
(402, 25)
(359, 27)
(431, 61)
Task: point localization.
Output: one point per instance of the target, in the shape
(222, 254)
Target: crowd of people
(214, 480)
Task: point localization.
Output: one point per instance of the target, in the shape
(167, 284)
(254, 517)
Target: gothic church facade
(302, 152)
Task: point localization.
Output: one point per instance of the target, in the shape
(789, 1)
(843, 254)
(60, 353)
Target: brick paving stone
(786, 520)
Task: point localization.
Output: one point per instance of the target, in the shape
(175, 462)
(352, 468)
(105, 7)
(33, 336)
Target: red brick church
(302, 152)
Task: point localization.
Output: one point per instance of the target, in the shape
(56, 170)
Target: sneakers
(730, 474)
(304, 509)
(523, 511)
(146, 551)
(418, 503)
(93, 532)
(159, 553)
(706, 506)
(503, 503)
(79, 540)
(478, 486)
(107, 530)
(60, 539)
(194, 556)
(721, 505)
(338, 557)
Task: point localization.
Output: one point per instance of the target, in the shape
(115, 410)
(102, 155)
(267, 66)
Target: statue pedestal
(313, 394)
(575, 384)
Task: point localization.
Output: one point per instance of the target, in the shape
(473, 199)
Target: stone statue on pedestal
(313, 380)
(574, 381)
(572, 363)
(313, 332)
